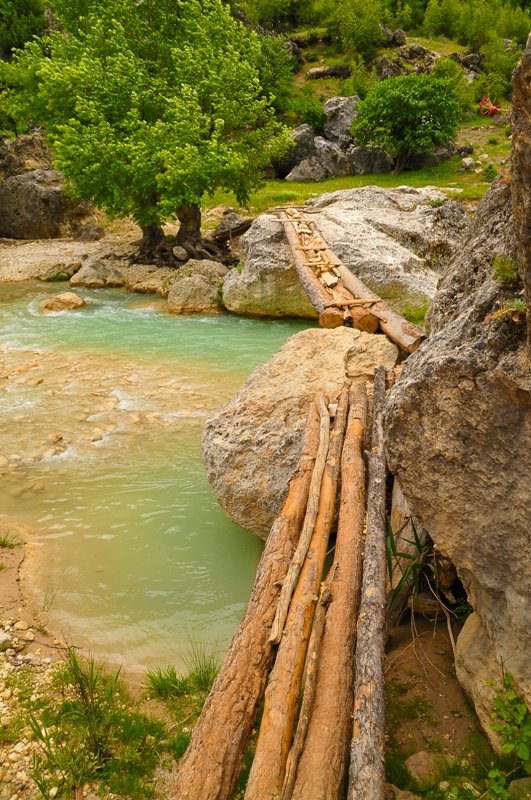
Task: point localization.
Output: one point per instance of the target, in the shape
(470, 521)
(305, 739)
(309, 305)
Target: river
(101, 413)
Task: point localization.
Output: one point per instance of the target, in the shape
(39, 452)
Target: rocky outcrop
(196, 287)
(521, 174)
(34, 206)
(395, 240)
(368, 160)
(458, 437)
(326, 161)
(24, 154)
(268, 284)
(303, 139)
(340, 113)
(252, 445)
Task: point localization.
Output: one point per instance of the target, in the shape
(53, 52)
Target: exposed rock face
(340, 113)
(98, 274)
(327, 160)
(368, 160)
(268, 285)
(33, 206)
(394, 240)
(24, 154)
(66, 301)
(252, 445)
(458, 437)
(303, 139)
(195, 288)
(521, 174)
(318, 73)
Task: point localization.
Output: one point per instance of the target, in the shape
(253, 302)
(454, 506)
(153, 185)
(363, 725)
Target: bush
(19, 21)
(358, 22)
(449, 70)
(307, 108)
(406, 115)
(361, 80)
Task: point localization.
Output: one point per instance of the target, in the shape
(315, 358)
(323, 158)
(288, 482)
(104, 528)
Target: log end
(331, 318)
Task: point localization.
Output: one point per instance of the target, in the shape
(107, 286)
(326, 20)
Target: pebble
(21, 625)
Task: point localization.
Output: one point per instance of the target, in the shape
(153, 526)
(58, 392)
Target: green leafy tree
(19, 21)
(149, 105)
(406, 115)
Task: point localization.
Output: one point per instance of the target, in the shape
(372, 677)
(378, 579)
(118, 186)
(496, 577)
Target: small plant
(203, 666)
(490, 173)
(505, 270)
(9, 540)
(514, 309)
(165, 683)
(512, 720)
(48, 598)
(493, 140)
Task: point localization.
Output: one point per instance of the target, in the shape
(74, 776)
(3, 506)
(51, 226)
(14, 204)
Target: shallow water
(101, 412)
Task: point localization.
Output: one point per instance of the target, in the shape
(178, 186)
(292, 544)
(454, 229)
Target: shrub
(307, 108)
(406, 115)
(449, 70)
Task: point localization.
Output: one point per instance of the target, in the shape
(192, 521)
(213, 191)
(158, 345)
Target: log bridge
(310, 647)
(338, 296)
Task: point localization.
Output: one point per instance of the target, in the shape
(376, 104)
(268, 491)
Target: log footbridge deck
(311, 647)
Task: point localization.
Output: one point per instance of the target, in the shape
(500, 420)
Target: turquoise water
(101, 413)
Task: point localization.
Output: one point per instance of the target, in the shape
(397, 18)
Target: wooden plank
(367, 771)
(282, 694)
(211, 765)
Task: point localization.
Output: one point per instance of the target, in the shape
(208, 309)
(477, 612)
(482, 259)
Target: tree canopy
(408, 114)
(149, 104)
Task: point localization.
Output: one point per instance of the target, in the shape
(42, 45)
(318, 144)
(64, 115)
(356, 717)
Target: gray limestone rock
(340, 113)
(458, 438)
(393, 239)
(97, 274)
(34, 206)
(368, 160)
(252, 446)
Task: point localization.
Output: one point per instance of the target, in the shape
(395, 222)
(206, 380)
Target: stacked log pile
(299, 632)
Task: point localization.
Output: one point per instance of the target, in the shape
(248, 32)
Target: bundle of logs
(338, 296)
(310, 647)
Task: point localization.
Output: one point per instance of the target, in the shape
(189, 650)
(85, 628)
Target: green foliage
(408, 114)
(9, 540)
(93, 734)
(275, 68)
(473, 22)
(148, 106)
(504, 269)
(512, 720)
(449, 70)
(20, 20)
(306, 108)
(361, 79)
(498, 65)
(357, 26)
(490, 173)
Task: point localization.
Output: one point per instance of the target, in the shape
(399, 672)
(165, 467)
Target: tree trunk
(323, 764)
(282, 694)
(189, 215)
(367, 773)
(152, 238)
(211, 765)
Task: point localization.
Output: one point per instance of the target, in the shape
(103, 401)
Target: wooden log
(367, 773)
(310, 682)
(312, 508)
(319, 296)
(323, 764)
(363, 319)
(282, 694)
(331, 318)
(403, 333)
(211, 765)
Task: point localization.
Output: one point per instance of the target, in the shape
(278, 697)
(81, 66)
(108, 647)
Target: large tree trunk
(152, 238)
(211, 765)
(367, 773)
(189, 234)
(282, 694)
(323, 764)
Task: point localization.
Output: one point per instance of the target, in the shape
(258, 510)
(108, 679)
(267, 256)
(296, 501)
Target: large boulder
(268, 284)
(326, 161)
(24, 154)
(34, 206)
(395, 240)
(66, 301)
(252, 446)
(340, 113)
(303, 147)
(196, 286)
(368, 160)
(458, 437)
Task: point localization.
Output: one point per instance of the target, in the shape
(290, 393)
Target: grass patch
(416, 313)
(9, 540)
(90, 731)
